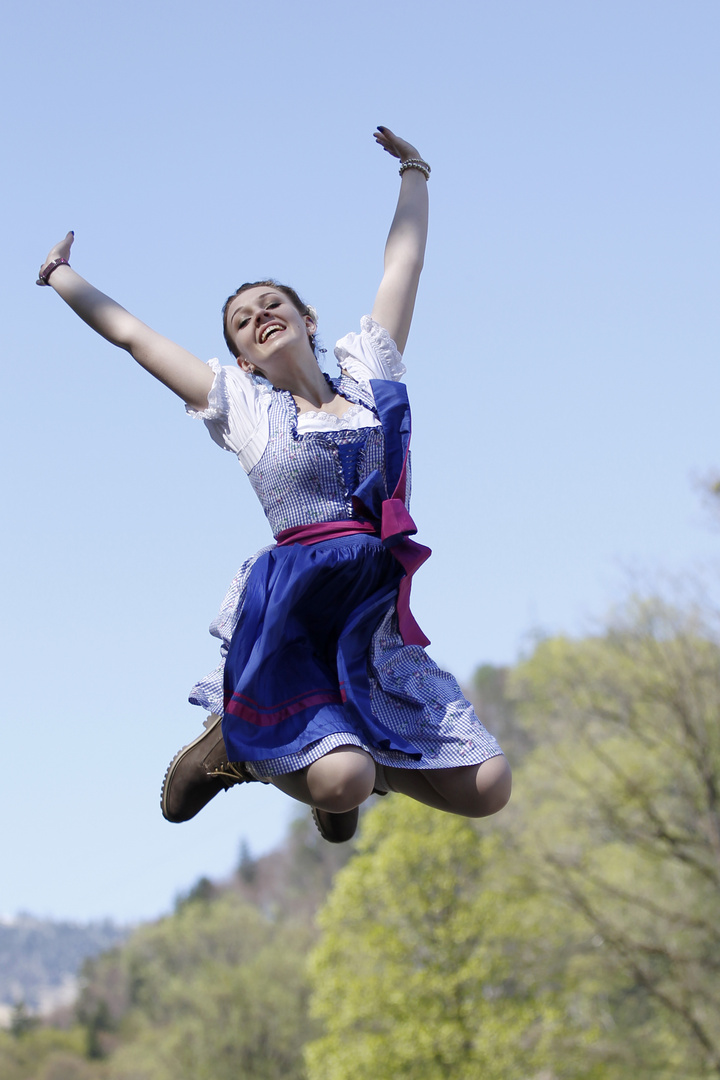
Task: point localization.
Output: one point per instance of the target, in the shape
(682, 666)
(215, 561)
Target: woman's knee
(474, 791)
(493, 783)
(341, 780)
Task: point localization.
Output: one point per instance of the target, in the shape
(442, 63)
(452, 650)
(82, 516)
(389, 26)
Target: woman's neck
(308, 385)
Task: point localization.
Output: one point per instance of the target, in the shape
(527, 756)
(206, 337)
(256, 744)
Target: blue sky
(562, 363)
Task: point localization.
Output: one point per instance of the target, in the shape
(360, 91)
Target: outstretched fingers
(394, 145)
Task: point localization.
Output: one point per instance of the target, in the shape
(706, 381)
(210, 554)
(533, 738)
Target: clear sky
(562, 363)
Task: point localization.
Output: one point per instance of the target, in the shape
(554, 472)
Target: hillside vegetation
(573, 937)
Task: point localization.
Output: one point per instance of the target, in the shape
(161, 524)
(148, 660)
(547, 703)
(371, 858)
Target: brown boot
(198, 772)
(336, 828)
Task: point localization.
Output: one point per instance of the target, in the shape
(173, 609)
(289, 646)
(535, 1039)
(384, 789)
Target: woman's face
(263, 324)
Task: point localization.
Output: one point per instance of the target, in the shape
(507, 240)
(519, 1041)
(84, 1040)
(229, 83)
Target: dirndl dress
(318, 647)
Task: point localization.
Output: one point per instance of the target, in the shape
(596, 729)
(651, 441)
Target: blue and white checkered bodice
(310, 478)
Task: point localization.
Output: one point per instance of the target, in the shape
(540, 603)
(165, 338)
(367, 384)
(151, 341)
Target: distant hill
(40, 959)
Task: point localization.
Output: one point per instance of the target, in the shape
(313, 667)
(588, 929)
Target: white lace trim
(380, 348)
(218, 403)
(385, 347)
(357, 416)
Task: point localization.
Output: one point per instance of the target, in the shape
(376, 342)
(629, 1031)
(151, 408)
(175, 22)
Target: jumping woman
(324, 687)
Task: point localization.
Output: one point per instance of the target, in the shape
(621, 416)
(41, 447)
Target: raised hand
(395, 145)
(60, 251)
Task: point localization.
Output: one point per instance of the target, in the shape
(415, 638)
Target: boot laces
(234, 771)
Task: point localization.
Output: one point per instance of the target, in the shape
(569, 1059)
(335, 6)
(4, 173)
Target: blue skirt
(297, 665)
(348, 585)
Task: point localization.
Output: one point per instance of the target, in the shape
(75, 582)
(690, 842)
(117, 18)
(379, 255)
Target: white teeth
(268, 331)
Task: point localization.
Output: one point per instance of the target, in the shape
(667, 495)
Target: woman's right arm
(185, 374)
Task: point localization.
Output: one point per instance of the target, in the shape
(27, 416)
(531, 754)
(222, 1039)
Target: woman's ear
(310, 324)
(245, 365)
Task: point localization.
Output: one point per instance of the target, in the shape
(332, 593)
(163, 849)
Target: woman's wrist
(45, 271)
(415, 164)
(57, 256)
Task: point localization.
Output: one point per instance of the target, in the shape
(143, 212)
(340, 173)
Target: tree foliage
(576, 935)
(625, 821)
(437, 960)
(216, 991)
(45, 1054)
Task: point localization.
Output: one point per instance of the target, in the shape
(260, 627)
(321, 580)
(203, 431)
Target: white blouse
(238, 403)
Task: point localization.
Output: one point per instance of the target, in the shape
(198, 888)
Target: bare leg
(469, 790)
(344, 778)
(337, 782)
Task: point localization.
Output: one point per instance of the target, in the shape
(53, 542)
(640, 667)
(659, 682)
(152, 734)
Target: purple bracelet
(45, 274)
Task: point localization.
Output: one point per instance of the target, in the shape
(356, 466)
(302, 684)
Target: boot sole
(349, 816)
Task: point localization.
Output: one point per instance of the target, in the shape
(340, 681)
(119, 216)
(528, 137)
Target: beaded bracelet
(416, 163)
(45, 274)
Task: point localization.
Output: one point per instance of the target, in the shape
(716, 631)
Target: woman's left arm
(405, 248)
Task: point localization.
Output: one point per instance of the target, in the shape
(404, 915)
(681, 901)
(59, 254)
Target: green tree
(216, 991)
(45, 1053)
(625, 822)
(428, 963)
(574, 936)
(22, 1020)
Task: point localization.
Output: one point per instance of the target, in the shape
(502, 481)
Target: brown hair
(292, 296)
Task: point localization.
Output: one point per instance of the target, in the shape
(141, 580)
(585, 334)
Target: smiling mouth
(273, 328)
